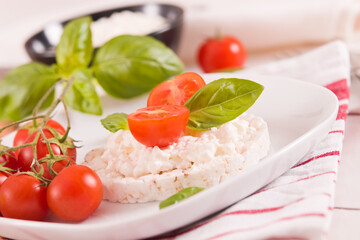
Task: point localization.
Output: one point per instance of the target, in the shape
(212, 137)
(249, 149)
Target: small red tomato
(176, 91)
(3, 177)
(223, 53)
(158, 125)
(75, 193)
(10, 159)
(25, 156)
(25, 131)
(23, 197)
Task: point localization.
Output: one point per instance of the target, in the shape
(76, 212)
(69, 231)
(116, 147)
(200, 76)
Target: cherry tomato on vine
(75, 193)
(176, 91)
(25, 156)
(158, 125)
(25, 131)
(11, 161)
(222, 53)
(23, 197)
(3, 177)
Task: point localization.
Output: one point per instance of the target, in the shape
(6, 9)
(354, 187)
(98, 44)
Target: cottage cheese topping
(125, 22)
(132, 172)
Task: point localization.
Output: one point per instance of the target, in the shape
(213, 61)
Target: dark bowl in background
(41, 46)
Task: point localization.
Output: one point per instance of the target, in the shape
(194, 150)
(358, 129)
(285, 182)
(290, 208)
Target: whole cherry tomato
(176, 91)
(23, 197)
(25, 131)
(158, 125)
(75, 193)
(3, 177)
(223, 53)
(11, 161)
(25, 156)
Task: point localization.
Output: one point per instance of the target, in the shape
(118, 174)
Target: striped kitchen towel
(298, 204)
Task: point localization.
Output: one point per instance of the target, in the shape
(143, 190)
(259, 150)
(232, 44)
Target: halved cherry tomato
(158, 125)
(176, 91)
(23, 197)
(25, 156)
(25, 131)
(75, 193)
(222, 53)
(10, 159)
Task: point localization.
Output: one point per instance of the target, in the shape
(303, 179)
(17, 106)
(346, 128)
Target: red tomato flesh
(158, 125)
(176, 91)
(224, 53)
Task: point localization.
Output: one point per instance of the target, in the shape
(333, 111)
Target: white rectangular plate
(298, 114)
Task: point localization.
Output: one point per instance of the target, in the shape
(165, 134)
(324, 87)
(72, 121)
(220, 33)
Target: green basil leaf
(82, 95)
(115, 122)
(127, 66)
(221, 101)
(179, 196)
(75, 47)
(23, 87)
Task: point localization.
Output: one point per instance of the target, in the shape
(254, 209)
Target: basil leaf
(115, 122)
(221, 101)
(23, 87)
(81, 95)
(179, 196)
(75, 47)
(127, 66)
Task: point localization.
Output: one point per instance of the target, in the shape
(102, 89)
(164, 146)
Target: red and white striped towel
(298, 204)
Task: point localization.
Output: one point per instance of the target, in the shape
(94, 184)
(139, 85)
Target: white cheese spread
(132, 172)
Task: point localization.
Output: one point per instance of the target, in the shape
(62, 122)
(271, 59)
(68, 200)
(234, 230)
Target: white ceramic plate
(298, 114)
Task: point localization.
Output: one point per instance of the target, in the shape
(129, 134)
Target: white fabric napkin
(263, 25)
(298, 204)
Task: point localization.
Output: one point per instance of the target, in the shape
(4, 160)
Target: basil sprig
(212, 105)
(179, 196)
(221, 101)
(116, 121)
(23, 87)
(125, 67)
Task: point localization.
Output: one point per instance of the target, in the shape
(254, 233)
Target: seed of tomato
(75, 193)
(223, 53)
(176, 91)
(23, 197)
(158, 125)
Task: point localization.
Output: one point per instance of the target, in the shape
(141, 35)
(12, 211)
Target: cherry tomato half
(25, 131)
(224, 53)
(11, 161)
(75, 193)
(23, 197)
(25, 156)
(158, 125)
(176, 91)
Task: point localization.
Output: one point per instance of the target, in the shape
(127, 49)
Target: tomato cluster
(32, 183)
(164, 119)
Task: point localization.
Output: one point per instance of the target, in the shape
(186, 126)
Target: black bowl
(41, 46)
